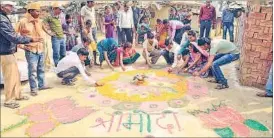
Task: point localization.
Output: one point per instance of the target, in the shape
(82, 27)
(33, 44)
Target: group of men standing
(31, 36)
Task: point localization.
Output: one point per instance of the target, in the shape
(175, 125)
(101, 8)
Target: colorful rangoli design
(227, 122)
(45, 117)
(159, 91)
(159, 86)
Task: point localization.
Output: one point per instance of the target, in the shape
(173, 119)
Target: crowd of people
(125, 27)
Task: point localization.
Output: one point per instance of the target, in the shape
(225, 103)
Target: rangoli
(45, 117)
(158, 86)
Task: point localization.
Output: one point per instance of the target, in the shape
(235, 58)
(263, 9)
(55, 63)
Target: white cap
(8, 3)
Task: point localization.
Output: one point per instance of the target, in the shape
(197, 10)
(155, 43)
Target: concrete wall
(256, 55)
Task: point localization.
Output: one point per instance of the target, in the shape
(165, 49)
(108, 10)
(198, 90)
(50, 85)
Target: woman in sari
(108, 50)
(196, 59)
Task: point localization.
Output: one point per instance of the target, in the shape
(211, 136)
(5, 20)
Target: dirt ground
(241, 99)
(233, 112)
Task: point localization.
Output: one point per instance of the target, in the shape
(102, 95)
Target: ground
(165, 104)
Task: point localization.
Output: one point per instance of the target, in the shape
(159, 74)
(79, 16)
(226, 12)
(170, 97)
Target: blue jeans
(59, 49)
(69, 74)
(36, 69)
(94, 32)
(222, 59)
(269, 84)
(230, 27)
(205, 27)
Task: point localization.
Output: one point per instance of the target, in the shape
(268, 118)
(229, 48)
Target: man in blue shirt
(227, 21)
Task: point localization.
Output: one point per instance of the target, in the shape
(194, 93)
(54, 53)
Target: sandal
(45, 88)
(96, 64)
(98, 84)
(213, 81)
(23, 98)
(221, 86)
(63, 82)
(70, 83)
(74, 80)
(33, 93)
(11, 105)
(263, 94)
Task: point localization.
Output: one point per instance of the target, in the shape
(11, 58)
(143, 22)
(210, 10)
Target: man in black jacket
(9, 39)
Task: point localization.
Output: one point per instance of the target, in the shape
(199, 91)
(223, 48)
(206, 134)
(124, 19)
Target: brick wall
(256, 56)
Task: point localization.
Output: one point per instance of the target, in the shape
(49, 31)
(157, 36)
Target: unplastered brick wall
(256, 51)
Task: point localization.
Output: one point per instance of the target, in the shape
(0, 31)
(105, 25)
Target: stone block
(266, 30)
(264, 55)
(250, 65)
(256, 28)
(251, 21)
(269, 17)
(249, 71)
(258, 22)
(270, 30)
(251, 59)
(253, 47)
(266, 10)
(254, 41)
(269, 57)
(258, 60)
(266, 23)
(262, 49)
(249, 34)
(257, 16)
(267, 43)
(264, 36)
(247, 46)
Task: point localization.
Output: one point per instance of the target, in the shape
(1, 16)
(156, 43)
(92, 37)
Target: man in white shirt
(71, 65)
(88, 13)
(126, 24)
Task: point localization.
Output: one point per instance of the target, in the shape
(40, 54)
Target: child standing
(70, 33)
(93, 46)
